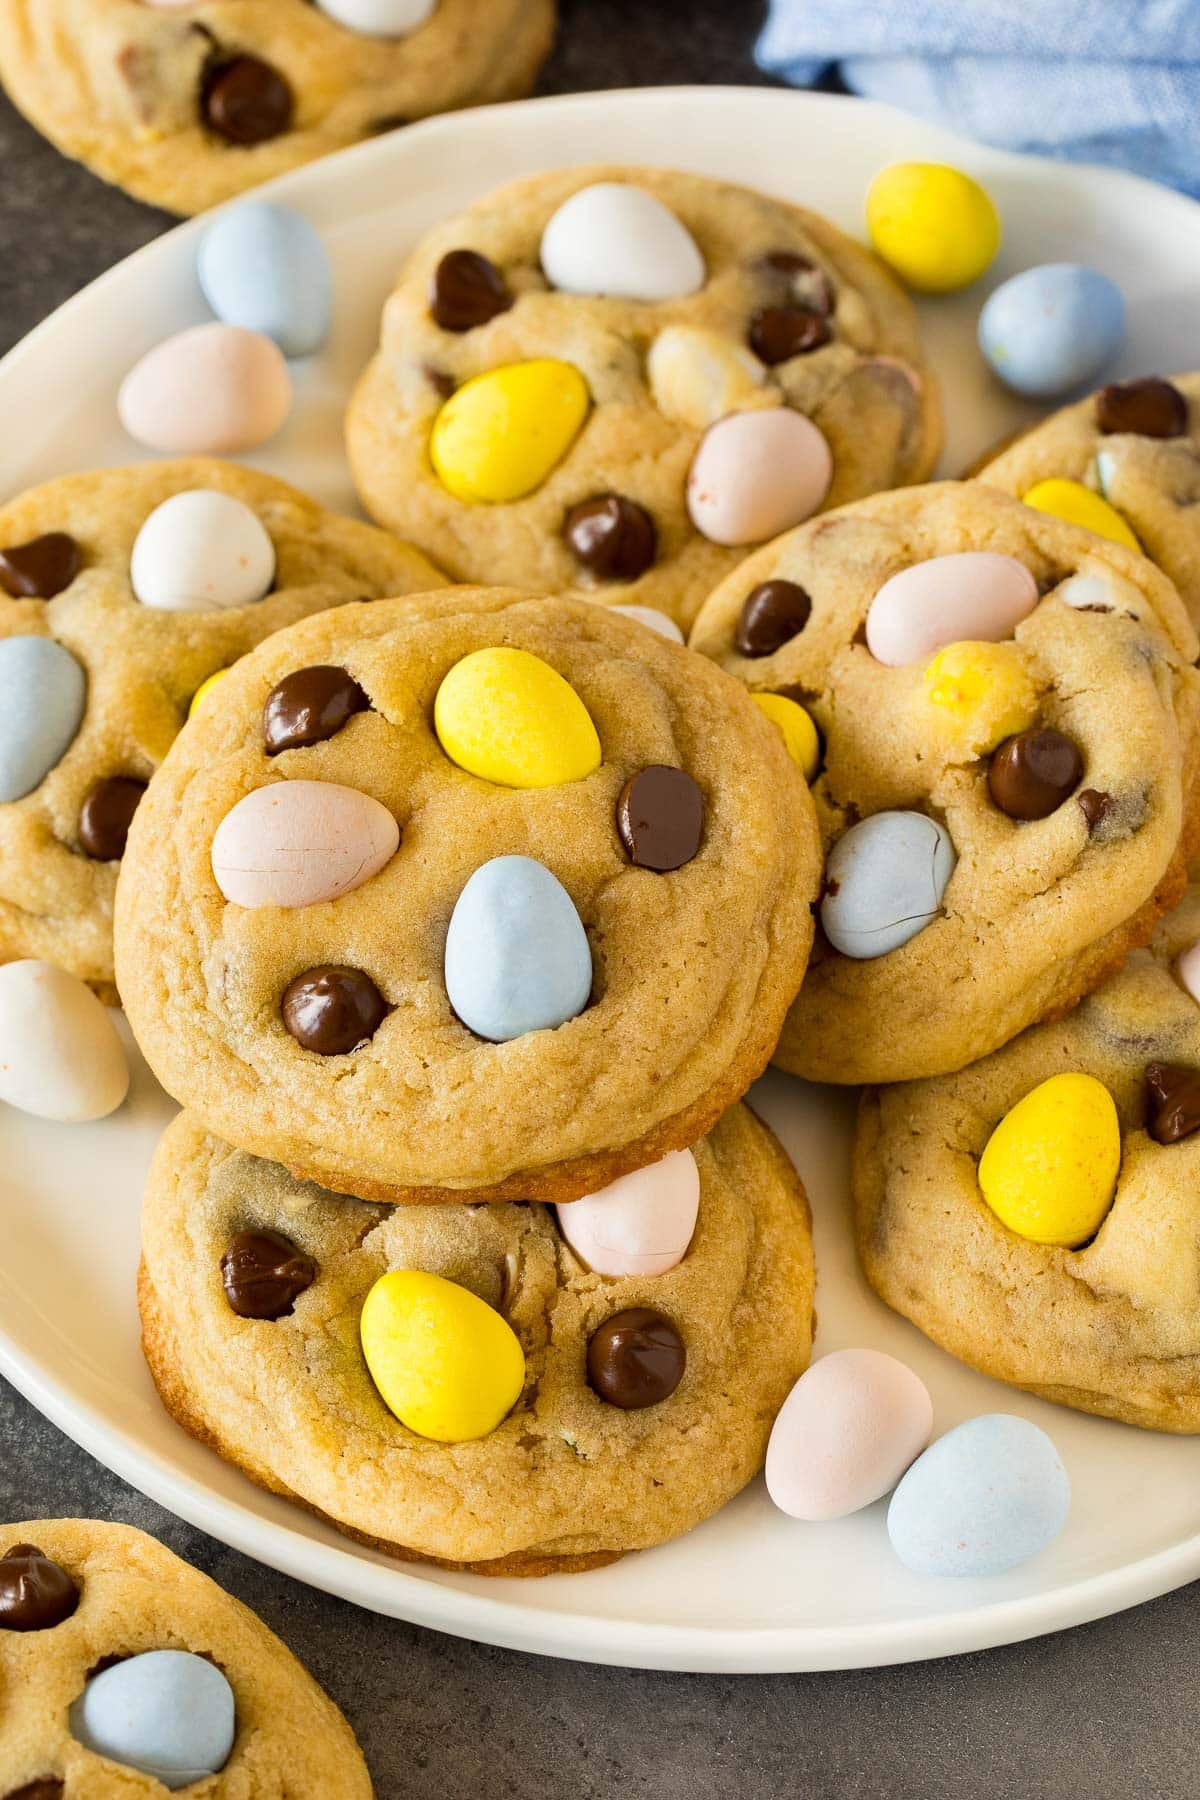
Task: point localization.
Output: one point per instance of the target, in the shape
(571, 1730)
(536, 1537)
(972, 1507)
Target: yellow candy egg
(1078, 505)
(205, 689)
(1049, 1170)
(508, 717)
(499, 436)
(799, 732)
(445, 1362)
(979, 694)
(933, 224)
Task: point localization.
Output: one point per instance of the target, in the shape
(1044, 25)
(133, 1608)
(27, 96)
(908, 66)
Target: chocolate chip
(332, 1009)
(1031, 774)
(1095, 807)
(772, 614)
(777, 333)
(106, 815)
(635, 1359)
(660, 817)
(441, 383)
(1172, 1102)
(1149, 408)
(264, 1274)
(246, 101)
(34, 1592)
(613, 537)
(310, 706)
(41, 568)
(803, 281)
(467, 290)
(48, 1787)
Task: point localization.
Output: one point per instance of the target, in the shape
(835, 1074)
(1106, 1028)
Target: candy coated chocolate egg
(206, 687)
(657, 621)
(1096, 590)
(45, 691)
(499, 436)
(933, 224)
(756, 474)
(978, 694)
(641, 1224)
(167, 1713)
(1078, 505)
(1051, 329)
(200, 551)
(297, 843)
(60, 1056)
(985, 1498)
(264, 267)
(445, 1363)
(505, 715)
(699, 376)
(978, 594)
(209, 391)
(379, 18)
(1049, 1170)
(1187, 968)
(615, 239)
(846, 1433)
(799, 732)
(517, 956)
(884, 882)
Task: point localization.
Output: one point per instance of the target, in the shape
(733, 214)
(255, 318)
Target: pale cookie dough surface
(1111, 1328)
(119, 84)
(292, 1742)
(143, 665)
(1038, 912)
(693, 970)
(566, 1481)
(868, 390)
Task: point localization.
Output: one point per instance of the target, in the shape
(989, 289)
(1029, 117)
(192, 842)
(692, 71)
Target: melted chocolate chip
(441, 383)
(635, 1359)
(48, 1787)
(773, 613)
(1172, 1102)
(777, 333)
(264, 1274)
(1149, 408)
(332, 1009)
(246, 101)
(106, 815)
(35, 1593)
(611, 536)
(660, 817)
(41, 568)
(801, 280)
(309, 706)
(467, 290)
(1031, 774)
(1095, 807)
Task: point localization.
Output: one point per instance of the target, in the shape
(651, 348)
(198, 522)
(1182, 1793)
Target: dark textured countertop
(1105, 1711)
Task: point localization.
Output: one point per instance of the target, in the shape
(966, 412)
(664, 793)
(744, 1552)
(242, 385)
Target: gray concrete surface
(1097, 1714)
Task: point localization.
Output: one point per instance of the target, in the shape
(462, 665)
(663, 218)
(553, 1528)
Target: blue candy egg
(167, 1713)
(884, 882)
(44, 692)
(265, 267)
(1052, 329)
(987, 1496)
(517, 956)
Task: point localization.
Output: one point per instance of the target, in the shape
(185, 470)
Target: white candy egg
(60, 1056)
(380, 18)
(611, 238)
(201, 550)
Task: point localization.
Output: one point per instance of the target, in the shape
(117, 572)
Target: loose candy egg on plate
(885, 880)
(501, 434)
(264, 267)
(641, 1224)
(969, 594)
(1051, 329)
(60, 1055)
(615, 239)
(298, 843)
(505, 715)
(210, 390)
(168, 1713)
(756, 474)
(1049, 1169)
(517, 957)
(444, 1362)
(201, 550)
(934, 224)
(846, 1433)
(45, 692)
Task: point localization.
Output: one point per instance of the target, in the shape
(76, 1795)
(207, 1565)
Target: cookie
(609, 378)
(185, 107)
(620, 1434)
(1135, 444)
(1105, 1321)
(117, 1658)
(122, 591)
(1007, 785)
(579, 954)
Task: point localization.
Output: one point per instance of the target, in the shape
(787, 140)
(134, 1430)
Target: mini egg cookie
(1038, 1214)
(185, 103)
(1126, 462)
(474, 896)
(458, 1384)
(123, 593)
(1006, 719)
(617, 379)
(123, 1671)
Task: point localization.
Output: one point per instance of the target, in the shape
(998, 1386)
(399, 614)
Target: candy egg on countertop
(884, 882)
(641, 1224)
(444, 1361)
(501, 434)
(60, 1055)
(45, 692)
(756, 474)
(505, 715)
(211, 390)
(517, 956)
(934, 225)
(1051, 329)
(264, 267)
(297, 843)
(969, 594)
(846, 1433)
(655, 620)
(1049, 1169)
(380, 18)
(985, 1498)
(169, 1713)
(201, 550)
(1078, 505)
(615, 239)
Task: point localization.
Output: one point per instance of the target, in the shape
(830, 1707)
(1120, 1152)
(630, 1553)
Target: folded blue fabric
(1108, 81)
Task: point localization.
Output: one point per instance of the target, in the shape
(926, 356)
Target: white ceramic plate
(751, 1590)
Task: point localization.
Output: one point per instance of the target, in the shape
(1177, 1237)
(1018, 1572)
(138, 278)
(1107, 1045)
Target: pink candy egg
(756, 474)
(208, 391)
(296, 843)
(1187, 968)
(641, 1224)
(846, 1433)
(975, 595)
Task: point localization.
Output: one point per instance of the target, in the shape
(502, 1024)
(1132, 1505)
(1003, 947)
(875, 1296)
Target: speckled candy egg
(212, 390)
(1051, 329)
(846, 1433)
(884, 882)
(641, 1224)
(612, 238)
(298, 843)
(970, 595)
(756, 474)
(201, 550)
(45, 691)
(517, 956)
(986, 1497)
(60, 1056)
(168, 1713)
(265, 268)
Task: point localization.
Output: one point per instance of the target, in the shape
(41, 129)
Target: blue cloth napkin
(1108, 81)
